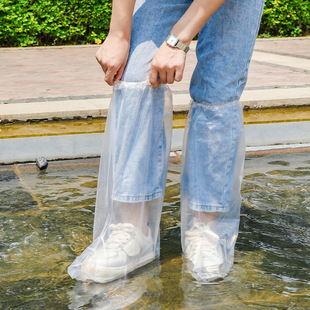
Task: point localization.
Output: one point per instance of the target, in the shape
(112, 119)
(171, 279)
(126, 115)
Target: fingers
(167, 74)
(119, 73)
(100, 61)
(179, 74)
(163, 76)
(112, 56)
(170, 77)
(110, 74)
(153, 78)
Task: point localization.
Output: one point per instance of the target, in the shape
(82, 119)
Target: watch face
(172, 40)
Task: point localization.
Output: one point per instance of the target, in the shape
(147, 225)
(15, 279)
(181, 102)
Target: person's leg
(141, 121)
(213, 151)
(134, 161)
(152, 22)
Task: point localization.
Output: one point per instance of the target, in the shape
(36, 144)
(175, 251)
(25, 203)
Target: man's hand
(112, 57)
(168, 63)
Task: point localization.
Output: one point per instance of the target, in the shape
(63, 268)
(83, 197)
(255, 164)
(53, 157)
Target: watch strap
(182, 46)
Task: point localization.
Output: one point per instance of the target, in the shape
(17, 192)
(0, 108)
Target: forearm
(194, 19)
(121, 18)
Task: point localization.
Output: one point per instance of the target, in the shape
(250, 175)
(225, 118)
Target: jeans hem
(139, 198)
(208, 208)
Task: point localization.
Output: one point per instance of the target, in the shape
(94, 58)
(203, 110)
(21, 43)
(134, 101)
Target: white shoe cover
(212, 169)
(131, 183)
(126, 249)
(203, 249)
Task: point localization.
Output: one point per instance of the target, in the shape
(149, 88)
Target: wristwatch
(173, 41)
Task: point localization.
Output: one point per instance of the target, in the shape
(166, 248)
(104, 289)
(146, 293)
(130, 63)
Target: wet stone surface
(46, 221)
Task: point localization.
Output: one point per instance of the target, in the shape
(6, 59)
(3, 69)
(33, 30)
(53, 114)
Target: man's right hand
(112, 57)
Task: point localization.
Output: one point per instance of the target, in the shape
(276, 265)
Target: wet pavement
(46, 221)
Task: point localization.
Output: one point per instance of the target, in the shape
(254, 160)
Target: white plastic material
(131, 183)
(118, 294)
(212, 170)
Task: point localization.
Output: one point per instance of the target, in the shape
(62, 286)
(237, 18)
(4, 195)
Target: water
(46, 221)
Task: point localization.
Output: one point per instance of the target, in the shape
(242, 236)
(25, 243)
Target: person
(144, 51)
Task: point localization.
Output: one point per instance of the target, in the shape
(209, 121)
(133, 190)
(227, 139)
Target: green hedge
(59, 22)
(285, 18)
(53, 22)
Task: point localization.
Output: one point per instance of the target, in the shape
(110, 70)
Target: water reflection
(46, 221)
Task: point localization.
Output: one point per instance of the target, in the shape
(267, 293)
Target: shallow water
(46, 221)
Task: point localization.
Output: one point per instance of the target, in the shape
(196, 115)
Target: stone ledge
(98, 107)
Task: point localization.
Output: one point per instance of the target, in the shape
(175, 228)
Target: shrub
(59, 22)
(53, 22)
(285, 18)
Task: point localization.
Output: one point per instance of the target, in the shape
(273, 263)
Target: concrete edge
(259, 138)
(70, 109)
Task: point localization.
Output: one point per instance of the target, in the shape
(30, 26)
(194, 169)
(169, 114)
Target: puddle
(46, 221)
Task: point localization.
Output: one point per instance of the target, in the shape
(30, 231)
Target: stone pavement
(66, 82)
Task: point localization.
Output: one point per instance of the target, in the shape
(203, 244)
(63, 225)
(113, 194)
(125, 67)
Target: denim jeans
(224, 50)
(136, 146)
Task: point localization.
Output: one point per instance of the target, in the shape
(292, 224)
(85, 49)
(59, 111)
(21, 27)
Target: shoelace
(120, 234)
(199, 243)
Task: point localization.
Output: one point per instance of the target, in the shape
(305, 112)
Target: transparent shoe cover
(212, 169)
(120, 293)
(131, 183)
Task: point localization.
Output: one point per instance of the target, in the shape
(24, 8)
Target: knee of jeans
(213, 92)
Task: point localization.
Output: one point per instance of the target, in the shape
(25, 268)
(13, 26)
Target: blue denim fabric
(139, 150)
(224, 50)
(209, 153)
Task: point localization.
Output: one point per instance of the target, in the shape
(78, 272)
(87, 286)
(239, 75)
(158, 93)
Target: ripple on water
(39, 242)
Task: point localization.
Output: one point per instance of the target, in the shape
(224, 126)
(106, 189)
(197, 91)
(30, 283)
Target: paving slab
(298, 47)
(282, 61)
(67, 82)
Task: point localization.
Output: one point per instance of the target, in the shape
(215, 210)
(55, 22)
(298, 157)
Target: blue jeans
(224, 50)
(134, 161)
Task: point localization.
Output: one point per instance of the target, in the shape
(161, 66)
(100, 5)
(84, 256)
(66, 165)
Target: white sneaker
(203, 249)
(126, 249)
(116, 294)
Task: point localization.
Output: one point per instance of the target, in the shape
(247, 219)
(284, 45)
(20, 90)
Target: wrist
(182, 35)
(120, 34)
(121, 31)
(174, 41)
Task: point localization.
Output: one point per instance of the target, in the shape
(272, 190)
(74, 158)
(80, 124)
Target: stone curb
(70, 109)
(259, 137)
